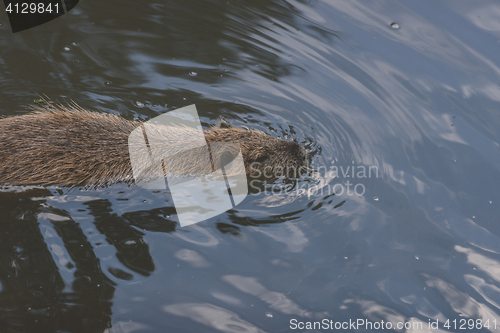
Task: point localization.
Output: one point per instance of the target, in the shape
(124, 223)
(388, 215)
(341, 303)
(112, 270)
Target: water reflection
(131, 249)
(37, 293)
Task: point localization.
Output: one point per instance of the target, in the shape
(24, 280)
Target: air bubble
(139, 104)
(375, 198)
(193, 73)
(394, 25)
(269, 314)
(66, 48)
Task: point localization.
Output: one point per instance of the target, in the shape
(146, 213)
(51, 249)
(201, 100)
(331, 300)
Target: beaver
(68, 145)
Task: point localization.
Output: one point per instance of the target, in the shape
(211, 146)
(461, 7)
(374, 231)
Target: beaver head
(264, 155)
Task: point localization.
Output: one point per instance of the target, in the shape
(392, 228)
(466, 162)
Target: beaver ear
(224, 123)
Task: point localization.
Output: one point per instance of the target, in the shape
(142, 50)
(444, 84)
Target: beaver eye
(260, 159)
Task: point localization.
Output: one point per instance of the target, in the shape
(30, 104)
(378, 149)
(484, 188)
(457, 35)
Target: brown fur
(70, 146)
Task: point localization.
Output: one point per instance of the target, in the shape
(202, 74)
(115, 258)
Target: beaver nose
(303, 151)
(299, 150)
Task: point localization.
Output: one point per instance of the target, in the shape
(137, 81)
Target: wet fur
(71, 146)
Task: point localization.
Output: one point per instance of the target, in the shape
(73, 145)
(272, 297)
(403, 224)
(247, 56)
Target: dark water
(418, 103)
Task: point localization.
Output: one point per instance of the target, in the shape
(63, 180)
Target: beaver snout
(293, 154)
(297, 149)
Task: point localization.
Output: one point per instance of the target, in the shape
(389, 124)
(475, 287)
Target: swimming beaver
(71, 146)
